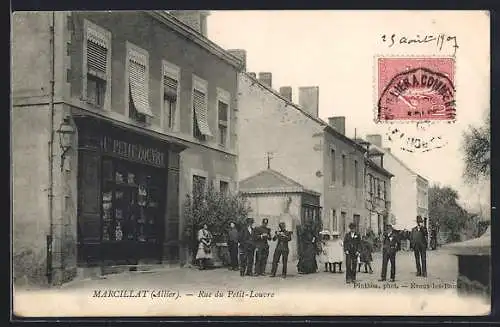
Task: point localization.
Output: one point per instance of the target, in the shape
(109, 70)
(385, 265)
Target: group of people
(390, 246)
(249, 249)
(253, 243)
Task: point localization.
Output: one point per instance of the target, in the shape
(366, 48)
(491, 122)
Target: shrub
(215, 209)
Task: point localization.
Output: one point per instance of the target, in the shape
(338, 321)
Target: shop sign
(133, 151)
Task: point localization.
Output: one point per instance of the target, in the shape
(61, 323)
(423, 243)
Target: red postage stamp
(416, 89)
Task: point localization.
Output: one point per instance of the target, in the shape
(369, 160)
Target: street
(441, 268)
(189, 291)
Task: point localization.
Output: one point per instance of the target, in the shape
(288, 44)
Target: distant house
(377, 190)
(409, 190)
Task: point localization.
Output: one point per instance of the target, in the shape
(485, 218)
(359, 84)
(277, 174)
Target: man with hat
(418, 242)
(389, 249)
(233, 236)
(247, 248)
(352, 242)
(262, 236)
(283, 237)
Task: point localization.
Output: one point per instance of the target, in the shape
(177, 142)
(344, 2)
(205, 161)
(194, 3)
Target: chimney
(196, 19)
(266, 78)
(375, 139)
(241, 54)
(253, 75)
(286, 92)
(338, 123)
(309, 99)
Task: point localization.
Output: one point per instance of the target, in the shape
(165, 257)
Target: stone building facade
(125, 112)
(300, 145)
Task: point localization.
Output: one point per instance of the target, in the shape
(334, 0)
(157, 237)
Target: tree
(476, 144)
(216, 209)
(444, 209)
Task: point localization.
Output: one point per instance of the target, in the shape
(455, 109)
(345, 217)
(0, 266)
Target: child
(324, 254)
(336, 252)
(365, 256)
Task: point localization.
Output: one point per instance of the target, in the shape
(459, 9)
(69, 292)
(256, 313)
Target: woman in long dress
(307, 257)
(204, 246)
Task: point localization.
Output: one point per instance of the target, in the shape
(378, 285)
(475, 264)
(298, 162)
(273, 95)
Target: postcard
(250, 163)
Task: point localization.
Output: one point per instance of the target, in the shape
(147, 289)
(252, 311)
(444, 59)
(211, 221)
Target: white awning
(138, 88)
(200, 112)
(97, 57)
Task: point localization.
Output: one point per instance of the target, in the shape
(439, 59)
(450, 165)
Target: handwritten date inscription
(440, 41)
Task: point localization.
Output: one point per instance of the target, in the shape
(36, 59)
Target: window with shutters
(201, 129)
(356, 174)
(97, 66)
(344, 170)
(223, 99)
(333, 166)
(138, 84)
(170, 95)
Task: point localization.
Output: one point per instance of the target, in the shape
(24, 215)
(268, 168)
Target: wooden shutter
(170, 86)
(200, 110)
(97, 54)
(139, 86)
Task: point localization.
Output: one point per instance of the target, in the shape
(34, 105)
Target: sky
(335, 50)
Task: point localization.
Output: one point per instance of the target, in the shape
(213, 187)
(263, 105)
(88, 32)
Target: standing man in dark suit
(262, 235)
(389, 249)
(247, 248)
(233, 236)
(352, 243)
(418, 242)
(283, 237)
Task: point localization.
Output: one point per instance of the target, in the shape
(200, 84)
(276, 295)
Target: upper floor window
(344, 170)
(356, 174)
(333, 166)
(138, 83)
(377, 184)
(97, 66)
(368, 181)
(335, 223)
(201, 128)
(383, 192)
(170, 96)
(223, 99)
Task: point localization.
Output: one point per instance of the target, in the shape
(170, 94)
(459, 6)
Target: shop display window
(131, 208)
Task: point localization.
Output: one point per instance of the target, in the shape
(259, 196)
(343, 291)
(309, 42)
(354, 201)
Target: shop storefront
(127, 196)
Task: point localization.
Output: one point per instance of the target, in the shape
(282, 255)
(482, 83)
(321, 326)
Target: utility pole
(269, 157)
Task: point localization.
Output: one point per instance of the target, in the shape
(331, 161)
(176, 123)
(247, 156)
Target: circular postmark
(418, 94)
